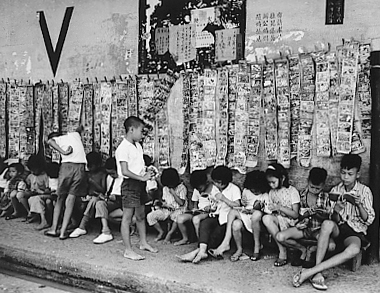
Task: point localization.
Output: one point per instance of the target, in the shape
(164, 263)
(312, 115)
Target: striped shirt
(169, 199)
(350, 213)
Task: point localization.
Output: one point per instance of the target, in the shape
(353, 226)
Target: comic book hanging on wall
(3, 118)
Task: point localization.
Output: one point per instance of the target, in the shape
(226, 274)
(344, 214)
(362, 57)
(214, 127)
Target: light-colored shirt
(40, 182)
(252, 198)
(53, 184)
(233, 193)
(116, 188)
(74, 140)
(169, 199)
(133, 155)
(3, 181)
(350, 213)
(209, 200)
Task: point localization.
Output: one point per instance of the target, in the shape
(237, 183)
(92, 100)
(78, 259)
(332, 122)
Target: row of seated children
(341, 219)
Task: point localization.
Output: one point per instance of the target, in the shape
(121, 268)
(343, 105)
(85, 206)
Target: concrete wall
(303, 25)
(101, 40)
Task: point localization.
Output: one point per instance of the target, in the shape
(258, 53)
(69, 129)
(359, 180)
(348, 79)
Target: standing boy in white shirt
(131, 166)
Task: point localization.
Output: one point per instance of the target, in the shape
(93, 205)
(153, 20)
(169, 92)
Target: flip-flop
(296, 279)
(243, 256)
(11, 217)
(255, 257)
(234, 257)
(279, 262)
(216, 256)
(47, 233)
(319, 284)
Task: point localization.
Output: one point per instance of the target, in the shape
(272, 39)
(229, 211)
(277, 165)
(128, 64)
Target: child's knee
(237, 225)
(280, 237)
(13, 194)
(20, 195)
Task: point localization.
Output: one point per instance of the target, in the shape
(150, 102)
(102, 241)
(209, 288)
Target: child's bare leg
(237, 226)
(15, 204)
(271, 222)
(23, 199)
(160, 231)
(181, 222)
(56, 214)
(69, 206)
(124, 229)
(225, 245)
(170, 233)
(188, 257)
(197, 222)
(141, 228)
(43, 224)
(256, 229)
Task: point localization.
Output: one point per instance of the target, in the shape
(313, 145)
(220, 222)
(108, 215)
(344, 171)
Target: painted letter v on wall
(54, 55)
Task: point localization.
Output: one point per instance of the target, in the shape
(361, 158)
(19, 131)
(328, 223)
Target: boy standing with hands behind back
(131, 166)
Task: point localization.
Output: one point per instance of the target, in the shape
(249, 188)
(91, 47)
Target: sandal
(255, 256)
(319, 284)
(279, 262)
(216, 256)
(296, 279)
(235, 257)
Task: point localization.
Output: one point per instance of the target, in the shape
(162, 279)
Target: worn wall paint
(101, 40)
(303, 25)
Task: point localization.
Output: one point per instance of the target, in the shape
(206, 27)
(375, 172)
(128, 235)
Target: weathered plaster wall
(303, 25)
(101, 40)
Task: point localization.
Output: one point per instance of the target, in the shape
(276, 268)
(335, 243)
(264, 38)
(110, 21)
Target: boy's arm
(55, 146)
(80, 129)
(177, 197)
(126, 172)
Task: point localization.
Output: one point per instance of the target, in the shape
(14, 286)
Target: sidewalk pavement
(103, 268)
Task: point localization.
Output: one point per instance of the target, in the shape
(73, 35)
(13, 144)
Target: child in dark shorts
(355, 208)
(71, 180)
(131, 166)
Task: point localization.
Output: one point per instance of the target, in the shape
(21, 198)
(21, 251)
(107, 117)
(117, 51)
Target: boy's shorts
(72, 180)
(346, 231)
(133, 193)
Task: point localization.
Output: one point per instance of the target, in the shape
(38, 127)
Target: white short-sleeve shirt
(233, 193)
(74, 140)
(133, 155)
(205, 201)
(116, 188)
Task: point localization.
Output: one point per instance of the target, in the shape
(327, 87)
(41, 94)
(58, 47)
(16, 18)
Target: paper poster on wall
(63, 92)
(201, 18)
(186, 122)
(88, 118)
(75, 105)
(163, 139)
(226, 44)
(105, 125)
(182, 43)
(14, 121)
(232, 97)
(161, 36)
(97, 118)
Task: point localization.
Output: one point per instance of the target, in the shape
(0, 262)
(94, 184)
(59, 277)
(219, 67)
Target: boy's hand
(68, 151)
(146, 177)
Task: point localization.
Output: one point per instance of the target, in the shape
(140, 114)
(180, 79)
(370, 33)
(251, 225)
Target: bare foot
(159, 237)
(147, 247)
(221, 249)
(166, 241)
(130, 254)
(188, 257)
(199, 257)
(182, 242)
(42, 226)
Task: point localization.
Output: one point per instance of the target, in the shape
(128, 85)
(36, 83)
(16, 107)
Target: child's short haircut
(36, 162)
(54, 134)
(132, 121)
(170, 177)
(256, 180)
(278, 171)
(223, 174)
(198, 178)
(94, 159)
(147, 160)
(52, 169)
(18, 166)
(317, 176)
(350, 161)
(110, 164)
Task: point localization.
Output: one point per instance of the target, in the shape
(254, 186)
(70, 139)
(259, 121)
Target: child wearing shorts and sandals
(131, 166)
(72, 178)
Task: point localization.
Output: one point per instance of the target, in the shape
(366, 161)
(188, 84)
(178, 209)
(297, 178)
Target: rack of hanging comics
(295, 107)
